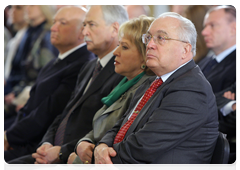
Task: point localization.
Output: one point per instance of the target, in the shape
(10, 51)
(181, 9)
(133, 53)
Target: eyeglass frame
(164, 38)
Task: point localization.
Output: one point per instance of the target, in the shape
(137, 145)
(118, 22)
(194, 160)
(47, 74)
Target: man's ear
(233, 28)
(115, 28)
(186, 50)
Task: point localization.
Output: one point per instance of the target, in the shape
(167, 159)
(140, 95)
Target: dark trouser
(22, 163)
(19, 152)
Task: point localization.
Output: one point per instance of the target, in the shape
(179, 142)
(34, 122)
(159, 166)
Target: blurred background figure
(196, 14)
(220, 36)
(7, 37)
(35, 51)
(180, 9)
(226, 102)
(60, 6)
(7, 30)
(19, 25)
(135, 11)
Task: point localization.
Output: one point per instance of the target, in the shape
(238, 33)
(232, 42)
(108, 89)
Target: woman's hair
(48, 11)
(133, 31)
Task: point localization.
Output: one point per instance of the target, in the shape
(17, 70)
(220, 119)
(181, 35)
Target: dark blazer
(229, 124)
(223, 74)
(80, 120)
(178, 124)
(48, 97)
(106, 117)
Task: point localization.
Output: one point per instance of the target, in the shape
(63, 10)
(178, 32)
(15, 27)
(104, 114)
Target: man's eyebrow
(159, 31)
(163, 32)
(90, 21)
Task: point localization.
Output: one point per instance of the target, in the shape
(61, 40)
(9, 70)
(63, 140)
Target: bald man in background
(53, 87)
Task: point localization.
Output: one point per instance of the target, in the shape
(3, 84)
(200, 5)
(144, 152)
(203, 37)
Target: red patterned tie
(148, 94)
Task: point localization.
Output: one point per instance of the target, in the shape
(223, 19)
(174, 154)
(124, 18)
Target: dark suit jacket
(48, 98)
(223, 74)
(80, 120)
(229, 124)
(178, 124)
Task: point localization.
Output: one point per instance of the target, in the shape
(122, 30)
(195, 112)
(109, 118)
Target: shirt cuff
(47, 143)
(227, 108)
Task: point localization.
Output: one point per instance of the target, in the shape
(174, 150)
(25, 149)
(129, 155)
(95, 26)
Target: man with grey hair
(175, 121)
(95, 81)
(220, 36)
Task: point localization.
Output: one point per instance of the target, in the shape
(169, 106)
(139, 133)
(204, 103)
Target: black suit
(80, 120)
(48, 98)
(223, 74)
(227, 124)
(177, 125)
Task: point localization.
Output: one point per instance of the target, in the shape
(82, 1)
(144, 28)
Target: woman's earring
(143, 66)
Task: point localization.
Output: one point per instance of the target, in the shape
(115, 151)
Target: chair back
(221, 151)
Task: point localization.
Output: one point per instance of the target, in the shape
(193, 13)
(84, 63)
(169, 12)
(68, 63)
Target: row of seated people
(22, 63)
(28, 52)
(142, 95)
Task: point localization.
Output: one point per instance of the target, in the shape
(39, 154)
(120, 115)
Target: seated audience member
(135, 11)
(196, 13)
(95, 81)
(7, 38)
(226, 101)
(34, 52)
(53, 87)
(19, 24)
(175, 121)
(130, 62)
(220, 36)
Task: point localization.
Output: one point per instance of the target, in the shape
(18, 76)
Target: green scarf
(121, 88)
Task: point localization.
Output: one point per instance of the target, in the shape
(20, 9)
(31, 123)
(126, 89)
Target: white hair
(187, 30)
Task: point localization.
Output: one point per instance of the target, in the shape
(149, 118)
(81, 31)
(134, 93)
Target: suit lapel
(103, 76)
(220, 66)
(157, 94)
(85, 76)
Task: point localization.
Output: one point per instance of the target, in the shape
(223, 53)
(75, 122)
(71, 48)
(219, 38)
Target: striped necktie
(148, 94)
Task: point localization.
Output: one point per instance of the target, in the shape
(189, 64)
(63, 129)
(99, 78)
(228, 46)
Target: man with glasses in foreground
(175, 121)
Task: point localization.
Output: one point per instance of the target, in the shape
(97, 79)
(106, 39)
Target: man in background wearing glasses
(175, 121)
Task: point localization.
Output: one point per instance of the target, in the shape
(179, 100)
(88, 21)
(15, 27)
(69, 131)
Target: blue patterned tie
(209, 66)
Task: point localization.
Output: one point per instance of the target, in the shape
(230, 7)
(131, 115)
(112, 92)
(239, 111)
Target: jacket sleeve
(173, 119)
(41, 117)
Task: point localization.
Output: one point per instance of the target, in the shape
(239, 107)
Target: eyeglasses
(160, 39)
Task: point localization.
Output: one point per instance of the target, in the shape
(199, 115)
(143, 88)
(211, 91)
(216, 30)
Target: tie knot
(98, 66)
(157, 83)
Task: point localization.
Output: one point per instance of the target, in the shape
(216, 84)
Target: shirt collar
(64, 55)
(106, 58)
(166, 76)
(224, 54)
